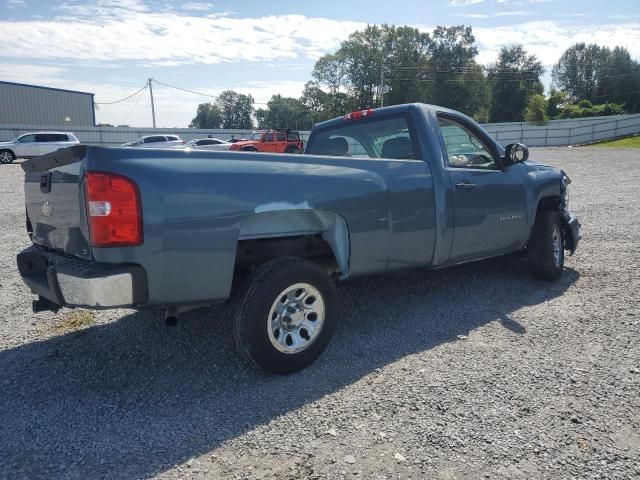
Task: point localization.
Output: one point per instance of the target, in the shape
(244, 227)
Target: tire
(7, 156)
(546, 248)
(263, 331)
(292, 149)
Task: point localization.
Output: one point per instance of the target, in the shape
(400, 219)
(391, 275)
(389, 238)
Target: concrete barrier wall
(553, 133)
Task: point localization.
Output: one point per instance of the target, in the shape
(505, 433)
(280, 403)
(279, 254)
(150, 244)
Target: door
(269, 143)
(489, 204)
(26, 146)
(50, 142)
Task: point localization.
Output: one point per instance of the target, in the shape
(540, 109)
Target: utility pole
(153, 108)
(381, 88)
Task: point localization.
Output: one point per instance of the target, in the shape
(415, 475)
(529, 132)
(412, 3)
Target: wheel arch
(281, 227)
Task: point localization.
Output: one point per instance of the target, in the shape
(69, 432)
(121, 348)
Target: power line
(122, 99)
(196, 92)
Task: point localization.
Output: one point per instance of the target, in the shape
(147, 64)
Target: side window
(281, 137)
(60, 137)
(154, 139)
(464, 149)
(42, 137)
(27, 139)
(172, 138)
(293, 136)
(268, 137)
(389, 137)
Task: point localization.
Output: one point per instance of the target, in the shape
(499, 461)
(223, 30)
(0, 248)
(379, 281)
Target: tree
(514, 77)
(284, 112)
(536, 110)
(322, 105)
(557, 99)
(208, 115)
(599, 74)
(237, 109)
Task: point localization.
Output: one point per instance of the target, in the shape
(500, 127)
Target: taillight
(113, 210)
(359, 114)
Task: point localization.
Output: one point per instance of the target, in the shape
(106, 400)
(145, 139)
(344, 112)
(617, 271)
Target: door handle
(465, 186)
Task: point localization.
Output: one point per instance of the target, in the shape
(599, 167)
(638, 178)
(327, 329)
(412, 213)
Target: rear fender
(279, 220)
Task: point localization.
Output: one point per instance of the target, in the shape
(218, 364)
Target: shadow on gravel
(132, 398)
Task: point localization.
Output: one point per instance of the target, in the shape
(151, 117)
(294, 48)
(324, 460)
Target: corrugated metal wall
(554, 133)
(27, 104)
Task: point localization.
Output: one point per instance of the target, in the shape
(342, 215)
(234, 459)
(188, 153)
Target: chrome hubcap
(556, 240)
(296, 318)
(5, 157)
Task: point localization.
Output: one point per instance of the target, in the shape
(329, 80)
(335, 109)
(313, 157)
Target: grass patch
(629, 142)
(74, 320)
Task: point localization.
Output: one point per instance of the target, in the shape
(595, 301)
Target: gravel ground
(472, 372)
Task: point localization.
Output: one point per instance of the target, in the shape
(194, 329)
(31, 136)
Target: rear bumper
(572, 230)
(71, 282)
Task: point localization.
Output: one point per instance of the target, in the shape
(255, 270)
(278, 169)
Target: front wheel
(7, 156)
(546, 247)
(286, 316)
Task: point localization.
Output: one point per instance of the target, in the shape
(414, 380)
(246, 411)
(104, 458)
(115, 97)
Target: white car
(32, 144)
(208, 144)
(156, 141)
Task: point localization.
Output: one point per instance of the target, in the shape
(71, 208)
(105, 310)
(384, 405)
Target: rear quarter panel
(195, 202)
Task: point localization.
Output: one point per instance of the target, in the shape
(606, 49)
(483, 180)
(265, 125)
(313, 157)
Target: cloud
(197, 6)
(463, 3)
(549, 39)
(15, 3)
(518, 13)
(128, 30)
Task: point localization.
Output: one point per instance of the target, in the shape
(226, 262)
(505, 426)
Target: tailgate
(54, 199)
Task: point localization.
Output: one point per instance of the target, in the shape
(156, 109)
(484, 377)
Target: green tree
(557, 99)
(237, 109)
(208, 115)
(599, 74)
(284, 112)
(514, 77)
(536, 110)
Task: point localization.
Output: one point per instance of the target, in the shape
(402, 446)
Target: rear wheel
(7, 156)
(286, 316)
(546, 247)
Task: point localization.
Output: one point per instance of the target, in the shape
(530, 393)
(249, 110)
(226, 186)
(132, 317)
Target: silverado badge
(47, 209)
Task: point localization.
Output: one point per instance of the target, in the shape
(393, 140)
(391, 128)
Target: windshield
(191, 143)
(255, 136)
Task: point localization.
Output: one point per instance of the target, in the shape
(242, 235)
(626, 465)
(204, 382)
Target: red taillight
(359, 114)
(113, 210)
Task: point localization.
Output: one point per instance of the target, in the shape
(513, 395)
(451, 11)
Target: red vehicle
(275, 141)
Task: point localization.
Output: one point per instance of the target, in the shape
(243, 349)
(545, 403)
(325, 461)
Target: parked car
(214, 144)
(32, 144)
(276, 141)
(156, 141)
(376, 191)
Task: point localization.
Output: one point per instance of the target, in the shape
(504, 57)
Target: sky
(110, 47)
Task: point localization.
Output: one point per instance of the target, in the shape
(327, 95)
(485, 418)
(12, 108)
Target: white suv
(33, 144)
(156, 141)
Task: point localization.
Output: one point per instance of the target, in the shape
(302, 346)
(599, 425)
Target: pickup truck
(402, 187)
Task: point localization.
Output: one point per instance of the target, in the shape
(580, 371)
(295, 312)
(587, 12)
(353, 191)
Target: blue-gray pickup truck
(408, 186)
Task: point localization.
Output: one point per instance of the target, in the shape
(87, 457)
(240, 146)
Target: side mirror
(516, 153)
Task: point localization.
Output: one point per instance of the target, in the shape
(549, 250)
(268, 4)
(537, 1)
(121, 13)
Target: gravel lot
(472, 372)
